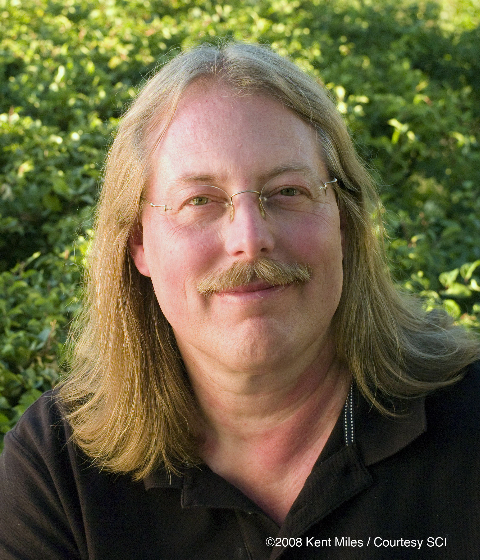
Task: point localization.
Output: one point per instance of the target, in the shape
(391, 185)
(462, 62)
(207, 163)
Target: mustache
(241, 273)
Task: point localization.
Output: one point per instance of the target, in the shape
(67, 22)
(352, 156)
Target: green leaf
(468, 269)
(52, 202)
(447, 279)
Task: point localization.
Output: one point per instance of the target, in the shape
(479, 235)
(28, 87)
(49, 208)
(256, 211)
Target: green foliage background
(406, 76)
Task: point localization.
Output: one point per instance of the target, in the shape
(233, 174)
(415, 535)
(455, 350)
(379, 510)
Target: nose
(248, 233)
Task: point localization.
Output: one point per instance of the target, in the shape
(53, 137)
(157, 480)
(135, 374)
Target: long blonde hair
(127, 397)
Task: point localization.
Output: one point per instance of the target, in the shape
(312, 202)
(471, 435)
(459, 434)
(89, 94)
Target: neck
(263, 432)
(250, 409)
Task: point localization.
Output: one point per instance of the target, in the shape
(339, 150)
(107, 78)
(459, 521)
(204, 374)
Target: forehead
(218, 132)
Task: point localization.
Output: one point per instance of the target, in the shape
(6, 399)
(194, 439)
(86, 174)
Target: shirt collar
(377, 437)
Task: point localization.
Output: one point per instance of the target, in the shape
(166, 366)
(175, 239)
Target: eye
(289, 191)
(287, 196)
(199, 201)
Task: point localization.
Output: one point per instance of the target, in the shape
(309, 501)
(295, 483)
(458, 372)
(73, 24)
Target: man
(247, 382)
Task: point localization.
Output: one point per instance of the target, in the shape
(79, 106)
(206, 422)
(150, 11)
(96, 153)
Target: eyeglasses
(205, 205)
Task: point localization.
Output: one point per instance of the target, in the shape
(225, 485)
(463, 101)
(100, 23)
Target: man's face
(240, 144)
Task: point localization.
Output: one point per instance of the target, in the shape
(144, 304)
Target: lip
(257, 288)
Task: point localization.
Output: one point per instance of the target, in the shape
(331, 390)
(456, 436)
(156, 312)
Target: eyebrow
(294, 167)
(275, 172)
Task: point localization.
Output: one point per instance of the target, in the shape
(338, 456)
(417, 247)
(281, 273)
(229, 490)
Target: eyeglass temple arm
(164, 206)
(330, 182)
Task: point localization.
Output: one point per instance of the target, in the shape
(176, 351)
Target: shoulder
(453, 420)
(446, 421)
(459, 403)
(39, 448)
(41, 429)
(37, 486)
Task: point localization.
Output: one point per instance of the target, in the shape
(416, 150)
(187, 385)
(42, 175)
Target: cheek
(320, 240)
(177, 263)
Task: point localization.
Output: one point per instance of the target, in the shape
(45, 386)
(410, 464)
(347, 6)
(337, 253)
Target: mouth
(264, 275)
(255, 286)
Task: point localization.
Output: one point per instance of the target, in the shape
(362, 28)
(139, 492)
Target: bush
(405, 74)
(39, 298)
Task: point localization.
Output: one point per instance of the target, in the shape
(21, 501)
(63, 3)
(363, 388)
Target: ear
(137, 249)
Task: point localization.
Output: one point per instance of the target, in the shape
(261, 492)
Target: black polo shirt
(406, 488)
